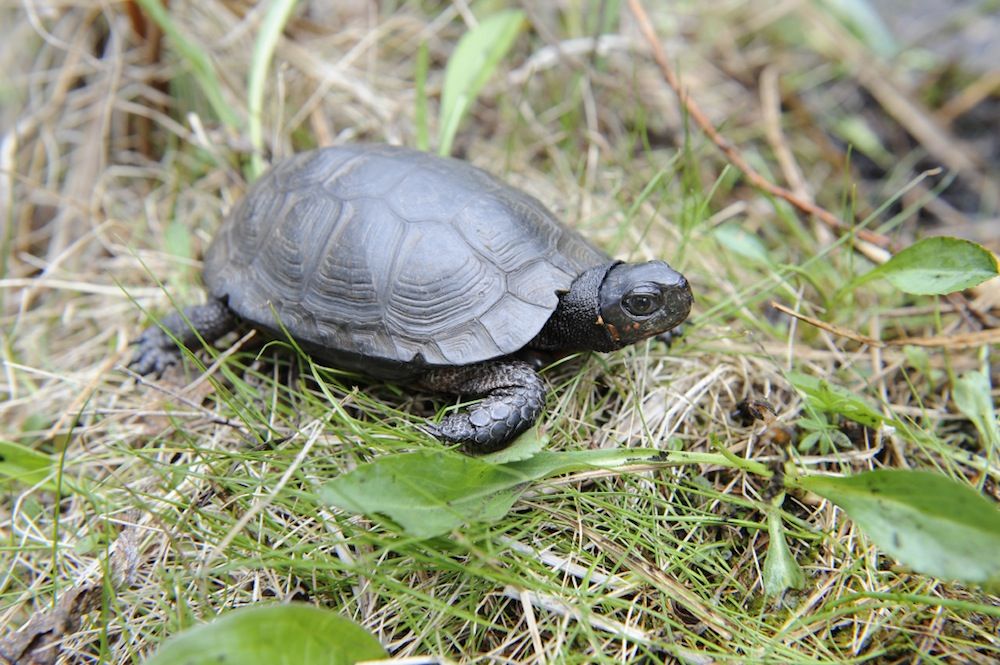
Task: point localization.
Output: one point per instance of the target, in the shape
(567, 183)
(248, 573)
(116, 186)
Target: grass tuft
(198, 490)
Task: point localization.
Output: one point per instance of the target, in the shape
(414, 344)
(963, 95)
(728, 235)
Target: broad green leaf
(741, 242)
(26, 466)
(431, 492)
(272, 635)
(523, 447)
(428, 492)
(781, 571)
(475, 57)
(973, 397)
(935, 266)
(831, 398)
(926, 521)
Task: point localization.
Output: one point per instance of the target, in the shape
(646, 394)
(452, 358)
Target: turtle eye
(641, 303)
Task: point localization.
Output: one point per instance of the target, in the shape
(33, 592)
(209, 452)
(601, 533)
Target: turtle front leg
(514, 397)
(156, 350)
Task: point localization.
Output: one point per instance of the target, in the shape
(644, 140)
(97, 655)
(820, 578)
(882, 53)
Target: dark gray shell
(388, 260)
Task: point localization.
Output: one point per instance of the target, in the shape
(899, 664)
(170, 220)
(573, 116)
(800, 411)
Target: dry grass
(114, 172)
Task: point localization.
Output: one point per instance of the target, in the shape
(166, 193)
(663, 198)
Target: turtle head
(640, 300)
(616, 304)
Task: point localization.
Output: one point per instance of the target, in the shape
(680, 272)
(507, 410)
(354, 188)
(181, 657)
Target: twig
(770, 98)
(731, 152)
(957, 341)
(969, 97)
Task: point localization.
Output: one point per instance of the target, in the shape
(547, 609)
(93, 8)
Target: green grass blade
(197, 59)
(478, 53)
(263, 50)
(862, 19)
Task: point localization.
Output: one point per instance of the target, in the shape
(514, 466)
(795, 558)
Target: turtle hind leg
(156, 349)
(514, 397)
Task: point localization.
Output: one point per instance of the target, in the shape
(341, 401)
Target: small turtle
(406, 266)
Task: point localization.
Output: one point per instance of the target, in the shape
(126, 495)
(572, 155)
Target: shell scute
(389, 260)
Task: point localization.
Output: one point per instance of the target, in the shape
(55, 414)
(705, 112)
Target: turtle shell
(391, 261)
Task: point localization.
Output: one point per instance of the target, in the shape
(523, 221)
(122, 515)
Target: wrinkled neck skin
(576, 323)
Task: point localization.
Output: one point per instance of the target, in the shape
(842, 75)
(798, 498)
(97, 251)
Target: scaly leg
(514, 397)
(156, 350)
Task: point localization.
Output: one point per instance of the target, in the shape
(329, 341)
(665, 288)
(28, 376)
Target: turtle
(410, 267)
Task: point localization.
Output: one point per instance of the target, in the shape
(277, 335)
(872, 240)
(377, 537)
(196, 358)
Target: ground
(191, 493)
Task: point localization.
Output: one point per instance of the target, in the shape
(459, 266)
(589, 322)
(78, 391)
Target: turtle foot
(514, 399)
(157, 347)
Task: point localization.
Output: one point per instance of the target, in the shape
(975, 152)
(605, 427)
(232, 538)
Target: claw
(431, 430)
(155, 353)
(158, 347)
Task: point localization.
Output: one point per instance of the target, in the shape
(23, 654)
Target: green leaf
(739, 241)
(935, 266)
(826, 397)
(428, 493)
(973, 397)
(858, 132)
(431, 492)
(177, 240)
(810, 440)
(926, 521)
(265, 635)
(555, 463)
(831, 398)
(781, 571)
(263, 50)
(523, 447)
(475, 57)
(863, 20)
(920, 360)
(24, 465)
